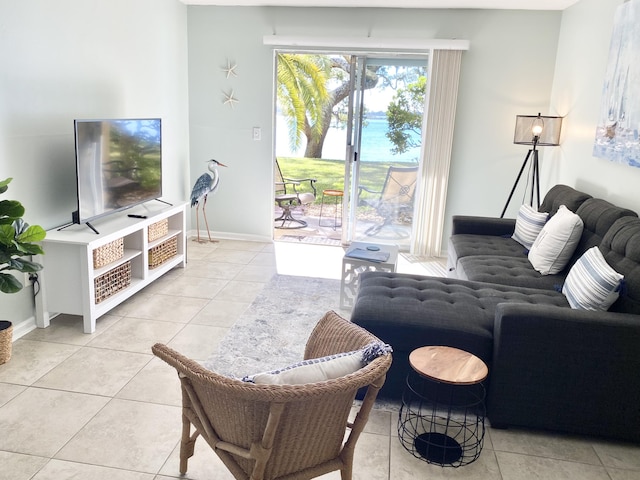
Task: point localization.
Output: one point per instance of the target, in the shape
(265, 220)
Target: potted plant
(17, 242)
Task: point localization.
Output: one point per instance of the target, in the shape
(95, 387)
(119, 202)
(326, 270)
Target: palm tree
(302, 93)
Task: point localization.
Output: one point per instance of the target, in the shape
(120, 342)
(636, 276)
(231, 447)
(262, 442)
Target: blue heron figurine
(206, 184)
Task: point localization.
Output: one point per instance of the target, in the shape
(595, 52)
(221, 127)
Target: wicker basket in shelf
(158, 229)
(163, 252)
(108, 253)
(112, 281)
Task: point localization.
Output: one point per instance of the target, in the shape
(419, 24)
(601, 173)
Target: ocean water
(375, 147)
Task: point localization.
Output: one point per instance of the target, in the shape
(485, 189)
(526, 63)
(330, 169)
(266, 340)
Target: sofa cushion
(507, 271)
(467, 245)
(557, 241)
(529, 223)
(562, 195)
(592, 284)
(597, 217)
(621, 249)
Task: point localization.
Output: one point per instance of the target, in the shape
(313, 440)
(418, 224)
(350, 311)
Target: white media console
(69, 282)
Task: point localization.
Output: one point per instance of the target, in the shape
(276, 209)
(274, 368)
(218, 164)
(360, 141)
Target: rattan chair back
(283, 432)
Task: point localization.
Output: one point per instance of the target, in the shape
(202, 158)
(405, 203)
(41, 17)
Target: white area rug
(273, 331)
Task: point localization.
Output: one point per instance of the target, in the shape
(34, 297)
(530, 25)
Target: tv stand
(76, 223)
(71, 284)
(92, 227)
(165, 202)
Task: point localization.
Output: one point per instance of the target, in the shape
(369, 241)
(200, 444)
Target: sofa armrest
(555, 367)
(464, 224)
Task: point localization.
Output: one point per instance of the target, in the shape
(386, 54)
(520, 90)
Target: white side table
(353, 267)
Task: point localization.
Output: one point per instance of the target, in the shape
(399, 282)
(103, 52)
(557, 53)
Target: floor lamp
(534, 130)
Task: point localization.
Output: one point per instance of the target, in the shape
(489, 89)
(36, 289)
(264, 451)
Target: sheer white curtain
(440, 105)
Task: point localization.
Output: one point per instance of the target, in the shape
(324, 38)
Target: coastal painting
(617, 134)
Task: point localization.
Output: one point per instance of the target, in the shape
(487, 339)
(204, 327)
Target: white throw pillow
(529, 223)
(321, 369)
(556, 242)
(592, 284)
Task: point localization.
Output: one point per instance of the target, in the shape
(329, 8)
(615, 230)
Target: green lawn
(330, 173)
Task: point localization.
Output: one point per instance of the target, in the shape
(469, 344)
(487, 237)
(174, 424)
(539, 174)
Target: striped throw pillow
(529, 222)
(592, 284)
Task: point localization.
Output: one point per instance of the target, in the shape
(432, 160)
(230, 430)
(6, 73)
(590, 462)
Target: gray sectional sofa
(551, 366)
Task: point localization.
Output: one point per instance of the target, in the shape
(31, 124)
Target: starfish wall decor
(230, 69)
(230, 99)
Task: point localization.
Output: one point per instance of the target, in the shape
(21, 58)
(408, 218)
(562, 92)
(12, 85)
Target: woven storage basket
(163, 252)
(108, 253)
(6, 334)
(112, 281)
(158, 229)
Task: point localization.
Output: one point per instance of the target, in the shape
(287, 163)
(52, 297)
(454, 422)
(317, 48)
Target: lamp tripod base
(535, 181)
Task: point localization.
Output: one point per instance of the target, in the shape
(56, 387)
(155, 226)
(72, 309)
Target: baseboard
(24, 327)
(230, 236)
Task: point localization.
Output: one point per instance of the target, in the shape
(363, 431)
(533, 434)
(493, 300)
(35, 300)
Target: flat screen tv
(118, 165)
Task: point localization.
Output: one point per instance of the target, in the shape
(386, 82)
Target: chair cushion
(529, 223)
(592, 284)
(306, 198)
(320, 369)
(556, 242)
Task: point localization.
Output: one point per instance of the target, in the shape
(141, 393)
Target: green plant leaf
(34, 233)
(22, 265)
(4, 184)
(9, 283)
(29, 249)
(7, 235)
(11, 209)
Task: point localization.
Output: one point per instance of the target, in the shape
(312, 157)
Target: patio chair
(289, 193)
(280, 432)
(395, 199)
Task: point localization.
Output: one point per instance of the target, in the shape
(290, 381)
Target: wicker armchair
(284, 432)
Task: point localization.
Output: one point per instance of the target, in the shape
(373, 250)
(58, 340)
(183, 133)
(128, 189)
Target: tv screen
(118, 165)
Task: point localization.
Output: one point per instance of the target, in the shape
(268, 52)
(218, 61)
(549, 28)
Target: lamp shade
(527, 126)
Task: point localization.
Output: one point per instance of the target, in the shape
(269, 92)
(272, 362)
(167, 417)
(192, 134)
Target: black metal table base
(442, 423)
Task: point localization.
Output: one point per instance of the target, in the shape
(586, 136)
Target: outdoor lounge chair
(288, 195)
(395, 200)
(280, 432)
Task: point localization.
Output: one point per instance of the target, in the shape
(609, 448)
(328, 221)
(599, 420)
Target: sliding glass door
(374, 105)
(384, 143)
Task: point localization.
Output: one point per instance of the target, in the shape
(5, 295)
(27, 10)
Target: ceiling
(486, 4)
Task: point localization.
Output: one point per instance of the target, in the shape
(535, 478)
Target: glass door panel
(388, 107)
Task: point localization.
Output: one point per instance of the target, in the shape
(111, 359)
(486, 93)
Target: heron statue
(207, 183)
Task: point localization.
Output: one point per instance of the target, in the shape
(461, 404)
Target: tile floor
(102, 407)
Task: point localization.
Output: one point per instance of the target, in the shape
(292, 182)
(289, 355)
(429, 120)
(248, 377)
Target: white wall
(507, 71)
(583, 52)
(67, 59)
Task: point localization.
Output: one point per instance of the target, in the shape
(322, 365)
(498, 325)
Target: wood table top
(448, 365)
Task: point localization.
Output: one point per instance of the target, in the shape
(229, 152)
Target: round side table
(441, 419)
(337, 196)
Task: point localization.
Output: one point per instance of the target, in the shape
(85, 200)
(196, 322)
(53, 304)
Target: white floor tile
(41, 421)
(128, 435)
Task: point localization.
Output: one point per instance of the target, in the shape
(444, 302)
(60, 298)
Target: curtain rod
(405, 44)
